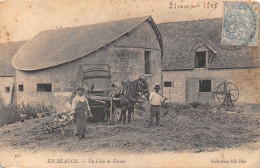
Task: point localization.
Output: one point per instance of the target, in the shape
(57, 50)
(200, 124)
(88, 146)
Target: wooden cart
(107, 106)
(52, 120)
(96, 78)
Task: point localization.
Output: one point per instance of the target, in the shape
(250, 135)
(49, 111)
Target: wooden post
(170, 97)
(116, 115)
(111, 108)
(133, 114)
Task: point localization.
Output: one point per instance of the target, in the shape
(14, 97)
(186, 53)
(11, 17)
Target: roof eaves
(246, 67)
(182, 69)
(157, 32)
(6, 75)
(99, 47)
(200, 45)
(212, 50)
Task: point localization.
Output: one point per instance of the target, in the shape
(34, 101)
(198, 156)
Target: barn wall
(5, 97)
(125, 57)
(247, 81)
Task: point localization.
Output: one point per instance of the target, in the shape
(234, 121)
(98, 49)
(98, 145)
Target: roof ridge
(190, 21)
(136, 22)
(85, 25)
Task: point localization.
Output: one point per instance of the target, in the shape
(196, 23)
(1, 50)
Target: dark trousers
(155, 112)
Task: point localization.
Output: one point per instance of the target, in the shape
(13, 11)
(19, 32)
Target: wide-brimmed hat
(157, 87)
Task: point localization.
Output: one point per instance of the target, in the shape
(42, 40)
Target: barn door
(215, 83)
(192, 90)
(205, 91)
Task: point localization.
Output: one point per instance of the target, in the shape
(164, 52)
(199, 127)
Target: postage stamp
(240, 24)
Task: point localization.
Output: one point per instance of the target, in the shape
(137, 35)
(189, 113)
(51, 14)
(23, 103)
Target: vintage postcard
(129, 83)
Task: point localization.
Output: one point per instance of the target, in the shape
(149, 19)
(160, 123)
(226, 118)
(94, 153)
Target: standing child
(156, 101)
(78, 108)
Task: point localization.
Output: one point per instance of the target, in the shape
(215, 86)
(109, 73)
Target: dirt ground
(184, 128)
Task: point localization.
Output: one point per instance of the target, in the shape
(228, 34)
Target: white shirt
(155, 99)
(76, 100)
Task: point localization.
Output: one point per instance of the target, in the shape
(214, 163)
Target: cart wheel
(226, 88)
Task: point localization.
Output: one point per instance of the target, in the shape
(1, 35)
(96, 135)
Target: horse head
(143, 87)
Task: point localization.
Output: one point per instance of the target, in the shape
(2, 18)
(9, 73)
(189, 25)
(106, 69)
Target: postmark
(240, 24)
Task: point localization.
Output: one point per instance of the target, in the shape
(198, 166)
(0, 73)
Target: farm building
(195, 63)
(54, 62)
(7, 71)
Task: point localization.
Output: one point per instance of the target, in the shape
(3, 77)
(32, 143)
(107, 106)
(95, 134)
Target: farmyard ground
(187, 129)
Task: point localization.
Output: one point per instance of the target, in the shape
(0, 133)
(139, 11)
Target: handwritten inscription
(205, 5)
(17, 155)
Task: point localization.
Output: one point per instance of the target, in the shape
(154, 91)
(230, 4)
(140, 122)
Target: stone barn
(7, 71)
(52, 64)
(195, 63)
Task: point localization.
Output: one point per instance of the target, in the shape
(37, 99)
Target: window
(200, 59)
(168, 84)
(205, 86)
(7, 89)
(47, 87)
(147, 55)
(20, 87)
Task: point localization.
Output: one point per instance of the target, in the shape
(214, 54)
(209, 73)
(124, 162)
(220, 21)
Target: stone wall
(247, 81)
(125, 57)
(5, 97)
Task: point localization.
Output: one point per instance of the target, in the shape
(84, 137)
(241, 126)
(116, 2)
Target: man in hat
(156, 101)
(78, 108)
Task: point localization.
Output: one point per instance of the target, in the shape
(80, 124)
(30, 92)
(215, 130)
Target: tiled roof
(181, 38)
(54, 47)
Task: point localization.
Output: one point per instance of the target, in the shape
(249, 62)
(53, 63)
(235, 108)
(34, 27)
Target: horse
(129, 94)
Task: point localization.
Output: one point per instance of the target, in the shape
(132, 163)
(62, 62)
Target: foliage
(9, 114)
(12, 113)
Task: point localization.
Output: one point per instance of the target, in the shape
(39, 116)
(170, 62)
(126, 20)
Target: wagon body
(96, 79)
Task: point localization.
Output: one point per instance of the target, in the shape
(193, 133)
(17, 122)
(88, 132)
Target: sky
(22, 19)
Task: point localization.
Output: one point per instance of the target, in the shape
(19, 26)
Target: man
(156, 101)
(78, 108)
